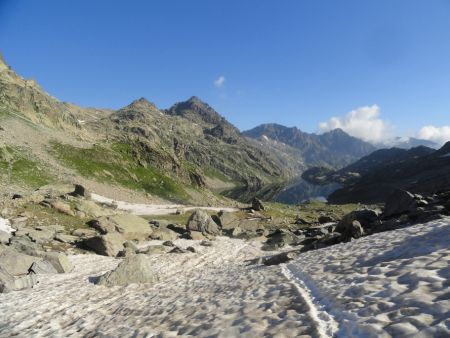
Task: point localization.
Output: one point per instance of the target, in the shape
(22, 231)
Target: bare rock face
(134, 269)
(200, 221)
(107, 245)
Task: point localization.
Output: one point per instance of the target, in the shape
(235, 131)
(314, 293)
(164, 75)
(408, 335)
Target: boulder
(134, 269)
(126, 252)
(326, 219)
(257, 205)
(55, 190)
(64, 238)
(164, 234)
(42, 268)
(62, 207)
(368, 218)
(249, 224)
(200, 221)
(84, 233)
(107, 245)
(280, 258)
(197, 236)
(350, 229)
(60, 261)
(131, 244)
(179, 229)
(41, 235)
(26, 246)
(132, 227)
(15, 263)
(4, 237)
(91, 209)
(228, 220)
(279, 239)
(102, 225)
(152, 249)
(10, 283)
(80, 191)
(181, 250)
(399, 202)
(206, 243)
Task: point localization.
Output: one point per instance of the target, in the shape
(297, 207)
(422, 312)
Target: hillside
(188, 152)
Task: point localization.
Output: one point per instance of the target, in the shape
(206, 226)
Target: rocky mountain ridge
(374, 177)
(335, 148)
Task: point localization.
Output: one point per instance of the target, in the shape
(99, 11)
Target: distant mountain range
(374, 177)
(188, 152)
(335, 148)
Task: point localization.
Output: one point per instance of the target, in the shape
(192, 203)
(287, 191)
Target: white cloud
(439, 135)
(363, 122)
(219, 82)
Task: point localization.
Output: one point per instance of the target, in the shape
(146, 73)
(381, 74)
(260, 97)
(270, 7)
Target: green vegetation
(16, 167)
(50, 216)
(117, 165)
(310, 211)
(211, 172)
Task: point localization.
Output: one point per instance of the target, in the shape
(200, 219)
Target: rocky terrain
(266, 269)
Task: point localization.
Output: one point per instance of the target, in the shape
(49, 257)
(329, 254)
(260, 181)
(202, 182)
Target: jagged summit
(3, 65)
(141, 104)
(197, 111)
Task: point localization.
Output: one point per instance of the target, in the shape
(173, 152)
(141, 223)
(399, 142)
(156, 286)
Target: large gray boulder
(228, 220)
(25, 245)
(15, 263)
(279, 239)
(107, 245)
(134, 269)
(164, 234)
(10, 283)
(90, 208)
(131, 227)
(399, 202)
(59, 261)
(200, 221)
(42, 268)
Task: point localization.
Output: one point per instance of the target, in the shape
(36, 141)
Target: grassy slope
(116, 165)
(18, 168)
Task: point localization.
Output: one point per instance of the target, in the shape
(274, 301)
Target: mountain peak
(196, 110)
(142, 104)
(3, 65)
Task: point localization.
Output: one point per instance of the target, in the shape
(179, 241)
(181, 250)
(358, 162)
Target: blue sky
(298, 62)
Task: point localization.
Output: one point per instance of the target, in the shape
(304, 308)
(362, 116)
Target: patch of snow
(391, 283)
(5, 225)
(154, 209)
(265, 137)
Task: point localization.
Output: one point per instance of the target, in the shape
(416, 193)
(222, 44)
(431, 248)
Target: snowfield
(391, 284)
